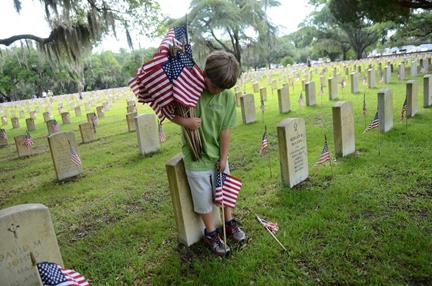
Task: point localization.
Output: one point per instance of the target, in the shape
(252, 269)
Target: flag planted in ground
(227, 189)
(364, 105)
(343, 83)
(374, 123)
(162, 136)
(404, 110)
(3, 134)
(264, 143)
(325, 154)
(28, 141)
(52, 274)
(301, 100)
(75, 158)
(56, 126)
(262, 107)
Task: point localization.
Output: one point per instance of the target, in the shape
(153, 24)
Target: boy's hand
(192, 123)
(221, 164)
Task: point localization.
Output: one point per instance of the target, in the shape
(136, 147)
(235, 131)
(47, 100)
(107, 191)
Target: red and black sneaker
(235, 231)
(216, 244)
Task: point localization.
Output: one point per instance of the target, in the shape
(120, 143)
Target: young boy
(216, 116)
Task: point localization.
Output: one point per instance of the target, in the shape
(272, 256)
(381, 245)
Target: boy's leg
(201, 185)
(208, 221)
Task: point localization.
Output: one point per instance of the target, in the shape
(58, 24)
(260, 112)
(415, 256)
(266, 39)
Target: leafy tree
(377, 10)
(218, 24)
(77, 24)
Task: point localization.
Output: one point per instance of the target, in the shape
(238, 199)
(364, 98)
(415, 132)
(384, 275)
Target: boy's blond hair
(222, 69)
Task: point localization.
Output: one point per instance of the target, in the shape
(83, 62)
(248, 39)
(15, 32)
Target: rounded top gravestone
(26, 232)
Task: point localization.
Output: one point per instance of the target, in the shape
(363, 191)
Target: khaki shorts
(202, 184)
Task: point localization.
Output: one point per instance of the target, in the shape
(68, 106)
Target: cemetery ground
(364, 220)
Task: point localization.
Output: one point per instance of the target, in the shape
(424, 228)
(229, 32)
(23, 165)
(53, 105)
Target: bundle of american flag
(374, 123)
(325, 154)
(226, 190)
(52, 274)
(28, 141)
(171, 83)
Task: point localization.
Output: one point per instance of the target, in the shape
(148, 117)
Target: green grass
(367, 220)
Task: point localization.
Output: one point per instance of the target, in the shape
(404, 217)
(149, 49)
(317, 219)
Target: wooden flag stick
(223, 216)
(223, 225)
(379, 143)
(271, 233)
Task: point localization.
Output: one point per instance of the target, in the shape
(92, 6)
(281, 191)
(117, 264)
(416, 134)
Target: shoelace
(219, 241)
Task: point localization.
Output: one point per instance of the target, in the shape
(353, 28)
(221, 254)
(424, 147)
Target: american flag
(374, 123)
(28, 142)
(404, 110)
(364, 105)
(301, 100)
(3, 134)
(55, 126)
(262, 104)
(264, 143)
(343, 83)
(75, 158)
(227, 189)
(325, 154)
(53, 274)
(162, 137)
(271, 226)
(170, 76)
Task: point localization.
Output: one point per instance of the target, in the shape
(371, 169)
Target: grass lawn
(367, 220)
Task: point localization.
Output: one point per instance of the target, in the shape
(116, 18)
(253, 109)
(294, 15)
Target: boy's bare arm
(225, 138)
(191, 123)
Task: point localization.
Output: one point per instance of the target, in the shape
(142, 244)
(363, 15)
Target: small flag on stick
(364, 105)
(55, 275)
(325, 154)
(262, 104)
(28, 142)
(162, 137)
(264, 143)
(260, 220)
(374, 123)
(227, 189)
(75, 157)
(301, 100)
(404, 110)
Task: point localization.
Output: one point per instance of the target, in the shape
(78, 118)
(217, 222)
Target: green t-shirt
(217, 112)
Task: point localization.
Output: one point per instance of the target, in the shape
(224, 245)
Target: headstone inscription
(15, 122)
(64, 153)
(23, 148)
(88, 132)
(292, 151)
(27, 236)
(30, 124)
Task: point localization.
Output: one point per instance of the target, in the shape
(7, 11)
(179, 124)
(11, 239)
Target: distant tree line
(25, 73)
